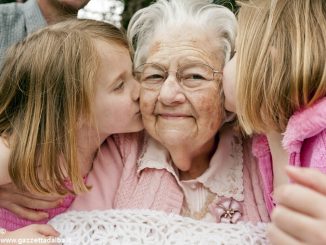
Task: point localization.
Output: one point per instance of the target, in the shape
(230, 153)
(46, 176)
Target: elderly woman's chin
(172, 133)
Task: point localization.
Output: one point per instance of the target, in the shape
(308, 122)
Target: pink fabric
(304, 140)
(153, 188)
(255, 207)
(107, 168)
(115, 171)
(103, 195)
(261, 151)
(11, 221)
(305, 137)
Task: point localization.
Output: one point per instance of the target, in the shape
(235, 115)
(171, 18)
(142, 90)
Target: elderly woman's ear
(229, 116)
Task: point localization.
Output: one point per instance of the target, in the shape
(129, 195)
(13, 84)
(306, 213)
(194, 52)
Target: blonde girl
(280, 86)
(63, 91)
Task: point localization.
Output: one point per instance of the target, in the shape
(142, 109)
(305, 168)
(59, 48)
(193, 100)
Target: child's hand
(32, 234)
(300, 216)
(22, 204)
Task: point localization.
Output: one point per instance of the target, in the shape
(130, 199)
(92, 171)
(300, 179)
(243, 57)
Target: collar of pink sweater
(224, 177)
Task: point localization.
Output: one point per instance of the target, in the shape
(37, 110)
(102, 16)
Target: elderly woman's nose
(135, 90)
(171, 92)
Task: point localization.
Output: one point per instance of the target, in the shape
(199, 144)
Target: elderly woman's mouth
(174, 116)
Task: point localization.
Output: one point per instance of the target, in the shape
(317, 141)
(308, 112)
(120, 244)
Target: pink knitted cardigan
(116, 182)
(304, 140)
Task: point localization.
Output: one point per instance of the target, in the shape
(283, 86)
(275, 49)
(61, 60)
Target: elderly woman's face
(187, 107)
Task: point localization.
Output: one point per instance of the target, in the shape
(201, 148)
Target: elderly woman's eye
(194, 77)
(153, 77)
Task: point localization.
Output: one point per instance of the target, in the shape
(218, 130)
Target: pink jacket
(117, 182)
(305, 141)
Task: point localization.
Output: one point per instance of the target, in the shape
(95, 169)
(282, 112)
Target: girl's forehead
(109, 45)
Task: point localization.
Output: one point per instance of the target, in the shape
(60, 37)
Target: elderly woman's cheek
(211, 112)
(147, 102)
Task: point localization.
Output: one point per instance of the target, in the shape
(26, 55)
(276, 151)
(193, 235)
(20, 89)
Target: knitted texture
(142, 193)
(11, 221)
(118, 182)
(261, 151)
(151, 227)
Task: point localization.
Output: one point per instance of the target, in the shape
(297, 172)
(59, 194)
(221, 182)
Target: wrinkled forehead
(180, 45)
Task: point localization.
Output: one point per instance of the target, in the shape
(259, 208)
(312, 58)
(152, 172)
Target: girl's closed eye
(119, 86)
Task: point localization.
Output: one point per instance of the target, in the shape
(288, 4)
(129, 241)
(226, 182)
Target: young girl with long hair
(63, 91)
(279, 78)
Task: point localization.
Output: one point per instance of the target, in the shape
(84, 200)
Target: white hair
(167, 14)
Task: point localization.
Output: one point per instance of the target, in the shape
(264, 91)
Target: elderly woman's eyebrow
(186, 60)
(181, 62)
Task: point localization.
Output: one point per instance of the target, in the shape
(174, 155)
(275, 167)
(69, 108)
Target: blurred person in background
(17, 20)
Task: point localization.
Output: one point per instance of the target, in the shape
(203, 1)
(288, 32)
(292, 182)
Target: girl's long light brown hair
(46, 86)
(281, 61)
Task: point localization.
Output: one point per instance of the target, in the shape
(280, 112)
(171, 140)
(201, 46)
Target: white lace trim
(229, 181)
(154, 155)
(151, 227)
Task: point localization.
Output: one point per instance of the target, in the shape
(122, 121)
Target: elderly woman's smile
(173, 115)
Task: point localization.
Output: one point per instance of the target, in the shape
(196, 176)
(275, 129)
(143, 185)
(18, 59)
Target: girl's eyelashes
(119, 86)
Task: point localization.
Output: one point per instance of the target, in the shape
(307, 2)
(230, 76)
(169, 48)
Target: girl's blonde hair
(46, 86)
(281, 61)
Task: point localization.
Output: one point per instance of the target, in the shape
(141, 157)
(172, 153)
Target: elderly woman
(190, 164)
(190, 161)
